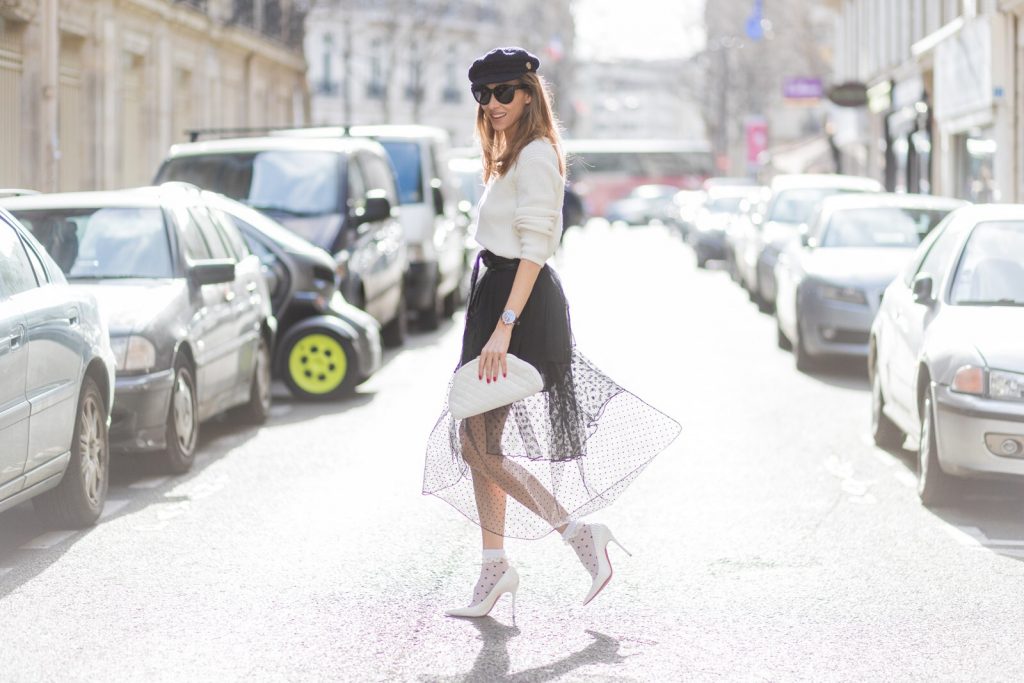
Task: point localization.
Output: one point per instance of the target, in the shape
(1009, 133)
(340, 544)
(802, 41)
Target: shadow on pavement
(990, 511)
(493, 662)
(844, 373)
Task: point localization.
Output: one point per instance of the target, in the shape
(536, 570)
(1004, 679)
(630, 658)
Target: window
(451, 93)
(214, 241)
(195, 245)
(936, 260)
(37, 265)
(356, 188)
(990, 270)
(230, 231)
(405, 157)
(375, 89)
(15, 270)
(379, 176)
(326, 85)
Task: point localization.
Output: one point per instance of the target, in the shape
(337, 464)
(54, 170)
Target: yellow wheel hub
(317, 363)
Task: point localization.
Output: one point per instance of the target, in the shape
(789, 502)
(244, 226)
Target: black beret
(502, 64)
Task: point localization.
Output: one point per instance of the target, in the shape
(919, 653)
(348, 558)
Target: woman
(543, 462)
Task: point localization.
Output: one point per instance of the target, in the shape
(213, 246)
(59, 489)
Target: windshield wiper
(991, 302)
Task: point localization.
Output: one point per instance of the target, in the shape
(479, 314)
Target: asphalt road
(772, 541)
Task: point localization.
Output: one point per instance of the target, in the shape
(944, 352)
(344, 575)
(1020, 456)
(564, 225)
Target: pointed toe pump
(496, 579)
(590, 541)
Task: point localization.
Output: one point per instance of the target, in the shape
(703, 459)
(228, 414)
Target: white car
(946, 359)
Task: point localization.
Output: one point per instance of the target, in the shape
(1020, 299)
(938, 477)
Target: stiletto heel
(507, 583)
(591, 545)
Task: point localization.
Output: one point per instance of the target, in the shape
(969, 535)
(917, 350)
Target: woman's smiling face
(504, 117)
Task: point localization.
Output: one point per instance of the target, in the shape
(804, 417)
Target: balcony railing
(200, 5)
(283, 22)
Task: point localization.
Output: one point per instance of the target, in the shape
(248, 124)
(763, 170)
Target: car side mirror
(922, 289)
(212, 272)
(376, 208)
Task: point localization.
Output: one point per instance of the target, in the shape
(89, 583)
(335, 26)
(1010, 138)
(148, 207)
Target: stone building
(93, 92)
(405, 61)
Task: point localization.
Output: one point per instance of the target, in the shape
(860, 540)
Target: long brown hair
(537, 122)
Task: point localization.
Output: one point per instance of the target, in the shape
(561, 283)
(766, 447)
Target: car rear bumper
(139, 419)
(834, 328)
(970, 431)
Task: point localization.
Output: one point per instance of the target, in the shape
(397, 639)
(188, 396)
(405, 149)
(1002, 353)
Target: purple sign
(802, 88)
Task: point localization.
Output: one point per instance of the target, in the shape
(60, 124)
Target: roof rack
(195, 133)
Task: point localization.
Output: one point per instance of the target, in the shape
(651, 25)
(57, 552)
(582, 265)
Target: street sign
(802, 88)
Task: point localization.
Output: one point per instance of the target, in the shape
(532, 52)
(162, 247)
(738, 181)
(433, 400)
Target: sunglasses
(504, 93)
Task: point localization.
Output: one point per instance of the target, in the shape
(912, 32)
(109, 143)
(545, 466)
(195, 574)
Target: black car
(326, 346)
(338, 194)
(184, 299)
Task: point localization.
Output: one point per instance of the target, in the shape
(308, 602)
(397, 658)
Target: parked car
(742, 229)
(686, 205)
(56, 386)
(792, 200)
(325, 346)
(830, 282)
(338, 194)
(187, 307)
(946, 360)
(644, 204)
(722, 205)
(427, 196)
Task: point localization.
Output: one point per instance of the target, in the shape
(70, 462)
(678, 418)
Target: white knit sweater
(521, 212)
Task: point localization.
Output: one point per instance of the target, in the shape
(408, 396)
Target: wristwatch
(509, 317)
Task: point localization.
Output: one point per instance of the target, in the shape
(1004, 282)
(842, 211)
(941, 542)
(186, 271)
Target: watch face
(508, 317)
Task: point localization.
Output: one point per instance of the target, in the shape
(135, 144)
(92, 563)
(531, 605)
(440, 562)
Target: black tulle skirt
(559, 455)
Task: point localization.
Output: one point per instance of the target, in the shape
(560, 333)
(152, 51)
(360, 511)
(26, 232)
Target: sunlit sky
(643, 29)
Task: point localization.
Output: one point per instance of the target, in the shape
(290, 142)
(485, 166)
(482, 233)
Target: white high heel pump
(591, 545)
(508, 583)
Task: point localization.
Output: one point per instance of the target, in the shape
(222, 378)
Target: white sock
(571, 529)
(495, 555)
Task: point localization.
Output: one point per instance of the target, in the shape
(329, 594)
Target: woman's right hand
(493, 356)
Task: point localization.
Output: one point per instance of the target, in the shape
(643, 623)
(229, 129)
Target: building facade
(638, 99)
(93, 92)
(944, 95)
(405, 61)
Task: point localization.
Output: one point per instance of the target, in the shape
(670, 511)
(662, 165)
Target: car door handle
(73, 317)
(14, 340)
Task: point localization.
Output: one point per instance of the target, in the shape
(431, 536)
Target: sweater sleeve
(540, 191)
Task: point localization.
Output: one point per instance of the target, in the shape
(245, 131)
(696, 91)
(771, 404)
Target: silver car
(56, 386)
(946, 360)
(829, 282)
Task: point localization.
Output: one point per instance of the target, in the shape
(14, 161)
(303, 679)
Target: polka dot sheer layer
(561, 454)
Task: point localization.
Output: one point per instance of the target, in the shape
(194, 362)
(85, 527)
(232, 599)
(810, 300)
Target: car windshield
(796, 206)
(299, 183)
(405, 157)
(724, 205)
(991, 269)
(114, 242)
(889, 226)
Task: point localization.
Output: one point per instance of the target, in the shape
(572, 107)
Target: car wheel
(934, 486)
(78, 500)
(182, 420)
(450, 303)
(883, 430)
(393, 334)
(257, 409)
(319, 365)
(780, 337)
(429, 318)
(805, 362)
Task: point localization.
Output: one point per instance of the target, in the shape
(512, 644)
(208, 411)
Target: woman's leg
(494, 476)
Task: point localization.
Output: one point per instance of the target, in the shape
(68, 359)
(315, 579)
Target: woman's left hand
(492, 356)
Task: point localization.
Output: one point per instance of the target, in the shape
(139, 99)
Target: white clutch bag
(471, 396)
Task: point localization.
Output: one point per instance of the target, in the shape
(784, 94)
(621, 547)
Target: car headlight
(1006, 385)
(997, 384)
(133, 353)
(848, 295)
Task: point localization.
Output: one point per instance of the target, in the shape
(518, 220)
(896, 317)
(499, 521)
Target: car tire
(318, 365)
(182, 420)
(934, 486)
(780, 337)
(77, 501)
(805, 362)
(257, 409)
(884, 431)
(429, 318)
(394, 332)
